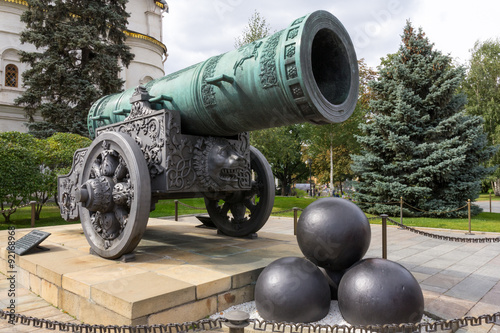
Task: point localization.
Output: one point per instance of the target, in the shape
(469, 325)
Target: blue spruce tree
(419, 144)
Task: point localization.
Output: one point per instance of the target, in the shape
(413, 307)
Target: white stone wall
(145, 20)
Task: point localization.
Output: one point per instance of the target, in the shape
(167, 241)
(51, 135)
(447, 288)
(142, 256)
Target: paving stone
(460, 270)
(426, 270)
(449, 307)
(442, 280)
(472, 288)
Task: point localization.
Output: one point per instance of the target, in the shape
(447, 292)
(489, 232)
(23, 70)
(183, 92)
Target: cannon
(186, 135)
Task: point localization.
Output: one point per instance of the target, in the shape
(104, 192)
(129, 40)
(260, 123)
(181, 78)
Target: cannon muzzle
(307, 72)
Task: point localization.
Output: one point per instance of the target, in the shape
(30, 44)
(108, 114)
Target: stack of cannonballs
(334, 235)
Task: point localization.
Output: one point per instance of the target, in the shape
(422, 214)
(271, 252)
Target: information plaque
(30, 241)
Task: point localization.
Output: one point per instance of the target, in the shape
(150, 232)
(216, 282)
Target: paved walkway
(458, 279)
(485, 205)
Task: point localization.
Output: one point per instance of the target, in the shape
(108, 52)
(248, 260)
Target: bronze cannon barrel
(307, 72)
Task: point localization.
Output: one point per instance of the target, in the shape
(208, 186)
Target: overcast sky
(195, 30)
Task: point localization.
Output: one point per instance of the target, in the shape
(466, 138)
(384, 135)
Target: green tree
(420, 144)
(80, 47)
(19, 171)
(282, 148)
(256, 29)
(30, 167)
(57, 159)
(482, 86)
(330, 146)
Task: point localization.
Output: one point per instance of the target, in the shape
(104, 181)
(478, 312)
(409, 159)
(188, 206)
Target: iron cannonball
(380, 291)
(333, 233)
(292, 289)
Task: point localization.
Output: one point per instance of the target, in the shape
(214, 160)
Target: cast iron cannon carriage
(185, 135)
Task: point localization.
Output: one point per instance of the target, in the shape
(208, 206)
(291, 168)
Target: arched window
(11, 76)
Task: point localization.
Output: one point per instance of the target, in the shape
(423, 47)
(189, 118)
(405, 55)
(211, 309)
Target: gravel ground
(332, 318)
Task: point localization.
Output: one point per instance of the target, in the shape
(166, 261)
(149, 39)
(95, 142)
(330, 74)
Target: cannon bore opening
(330, 66)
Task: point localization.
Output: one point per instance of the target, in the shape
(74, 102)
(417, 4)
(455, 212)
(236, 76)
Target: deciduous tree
(482, 86)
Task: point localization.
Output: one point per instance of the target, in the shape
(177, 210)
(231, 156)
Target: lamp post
(308, 162)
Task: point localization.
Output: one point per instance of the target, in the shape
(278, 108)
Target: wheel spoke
(225, 208)
(250, 204)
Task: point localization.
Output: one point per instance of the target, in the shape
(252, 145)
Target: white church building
(144, 36)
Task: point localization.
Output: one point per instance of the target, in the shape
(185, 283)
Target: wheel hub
(97, 194)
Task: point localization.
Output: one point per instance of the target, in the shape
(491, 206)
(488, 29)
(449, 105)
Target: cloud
(195, 30)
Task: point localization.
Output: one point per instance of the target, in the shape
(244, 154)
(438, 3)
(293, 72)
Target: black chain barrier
(446, 238)
(258, 325)
(200, 325)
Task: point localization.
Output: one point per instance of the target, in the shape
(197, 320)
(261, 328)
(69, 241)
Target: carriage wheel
(245, 212)
(115, 195)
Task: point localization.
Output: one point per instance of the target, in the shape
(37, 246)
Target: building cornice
(127, 33)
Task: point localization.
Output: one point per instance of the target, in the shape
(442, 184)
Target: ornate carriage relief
(179, 170)
(140, 103)
(68, 186)
(219, 165)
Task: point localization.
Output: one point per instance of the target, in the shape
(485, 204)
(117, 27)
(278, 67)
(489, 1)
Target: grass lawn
(486, 197)
(50, 215)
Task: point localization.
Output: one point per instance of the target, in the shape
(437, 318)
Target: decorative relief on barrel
(297, 91)
(249, 51)
(268, 72)
(290, 51)
(292, 33)
(207, 90)
(291, 71)
(298, 21)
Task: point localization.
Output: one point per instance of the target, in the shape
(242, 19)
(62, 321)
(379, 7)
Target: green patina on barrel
(307, 72)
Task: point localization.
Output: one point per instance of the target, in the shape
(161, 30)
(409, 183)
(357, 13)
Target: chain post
(401, 211)
(468, 208)
(384, 235)
(490, 202)
(237, 321)
(176, 202)
(295, 211)
(33, 211)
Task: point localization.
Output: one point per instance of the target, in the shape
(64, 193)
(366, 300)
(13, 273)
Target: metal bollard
(295, 211)
(384, 235)
(237, 321)
(33, 210)
(176, 210)
(470, 226)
